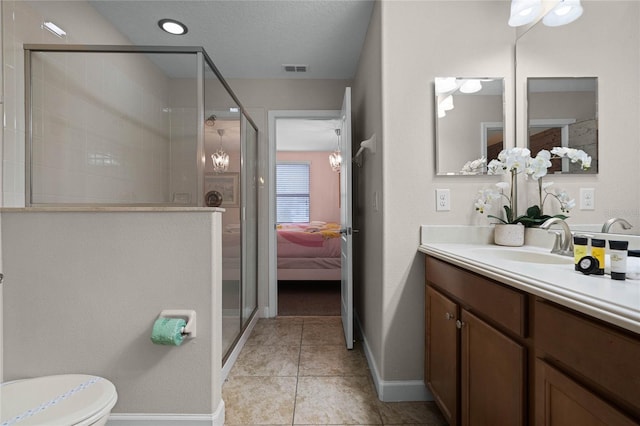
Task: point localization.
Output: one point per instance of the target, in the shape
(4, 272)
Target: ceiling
(254, 38)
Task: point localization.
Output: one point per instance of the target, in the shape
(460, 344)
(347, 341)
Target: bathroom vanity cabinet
(584, 370)
(476, 347)
(498, 355)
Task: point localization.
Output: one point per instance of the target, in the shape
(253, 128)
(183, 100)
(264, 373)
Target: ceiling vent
(295, 68)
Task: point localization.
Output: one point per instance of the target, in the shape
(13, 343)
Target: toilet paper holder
(189, 316)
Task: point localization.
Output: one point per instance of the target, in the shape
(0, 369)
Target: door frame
(273, 115)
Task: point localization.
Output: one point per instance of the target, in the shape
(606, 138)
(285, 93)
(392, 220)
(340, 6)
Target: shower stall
(135, 126)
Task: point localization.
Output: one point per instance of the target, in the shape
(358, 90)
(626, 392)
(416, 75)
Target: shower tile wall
(110, 142)
(100, 134)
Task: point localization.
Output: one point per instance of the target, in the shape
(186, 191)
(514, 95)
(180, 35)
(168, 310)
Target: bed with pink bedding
(308, 251)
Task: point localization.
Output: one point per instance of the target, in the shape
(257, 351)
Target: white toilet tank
(69, 399)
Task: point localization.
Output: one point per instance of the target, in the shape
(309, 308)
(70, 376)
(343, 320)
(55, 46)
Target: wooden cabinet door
(492, 375)
(561, 401)
(441, 357)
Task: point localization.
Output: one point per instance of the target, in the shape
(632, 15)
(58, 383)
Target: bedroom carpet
(308, 298)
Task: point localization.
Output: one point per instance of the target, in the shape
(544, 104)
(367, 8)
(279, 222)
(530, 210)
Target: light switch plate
(443, 200)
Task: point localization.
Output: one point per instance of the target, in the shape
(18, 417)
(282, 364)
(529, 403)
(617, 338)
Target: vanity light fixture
(524, 12)
(172, 26)
(445, 85)
(565, 12)
(471, 86)
(445, 103)
(335, 158)
(53, 28)
(220, 158)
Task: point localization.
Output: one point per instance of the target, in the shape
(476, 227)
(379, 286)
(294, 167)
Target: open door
(346, 298)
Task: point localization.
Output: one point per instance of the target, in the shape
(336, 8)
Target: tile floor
(297, 371)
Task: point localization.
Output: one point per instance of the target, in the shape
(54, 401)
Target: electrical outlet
(587, 199)
(443, 200)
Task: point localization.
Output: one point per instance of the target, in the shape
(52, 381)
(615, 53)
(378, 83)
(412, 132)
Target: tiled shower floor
(296, 371)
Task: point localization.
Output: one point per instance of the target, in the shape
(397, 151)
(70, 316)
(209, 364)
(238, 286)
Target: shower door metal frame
(202, 58)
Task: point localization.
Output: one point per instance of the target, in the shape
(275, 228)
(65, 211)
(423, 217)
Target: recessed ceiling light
(172, 26)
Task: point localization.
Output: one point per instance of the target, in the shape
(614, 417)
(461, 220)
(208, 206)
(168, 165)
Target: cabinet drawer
(607, 357)
(505, 306)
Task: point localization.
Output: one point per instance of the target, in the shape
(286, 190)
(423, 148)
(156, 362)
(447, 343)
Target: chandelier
(335, 158)
(220, 158)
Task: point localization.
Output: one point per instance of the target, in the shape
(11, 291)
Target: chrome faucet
(607, 225)
(565, 245)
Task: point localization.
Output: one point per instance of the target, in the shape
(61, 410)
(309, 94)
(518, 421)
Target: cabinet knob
(449, 316)
(460, 324)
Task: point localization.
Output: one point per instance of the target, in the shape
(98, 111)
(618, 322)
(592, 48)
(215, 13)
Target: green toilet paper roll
(168, 331)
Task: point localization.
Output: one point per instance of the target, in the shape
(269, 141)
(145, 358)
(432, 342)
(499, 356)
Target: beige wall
(417, 41)
(99, 131)
(87, 305)
(414, 42)
(590, 49)
(324, 184)
(368, 180)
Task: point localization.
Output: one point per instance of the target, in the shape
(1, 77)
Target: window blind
(292, 192)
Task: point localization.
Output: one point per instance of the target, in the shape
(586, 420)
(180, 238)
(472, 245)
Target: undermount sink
(526, 256)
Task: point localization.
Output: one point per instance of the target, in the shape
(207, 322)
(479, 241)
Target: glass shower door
(250, 223)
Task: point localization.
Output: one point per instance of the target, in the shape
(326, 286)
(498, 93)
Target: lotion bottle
(597, 251)
(579, 249)
(618, 255)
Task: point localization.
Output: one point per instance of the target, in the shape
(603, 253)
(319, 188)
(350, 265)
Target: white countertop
(111, 209)
(616, 302)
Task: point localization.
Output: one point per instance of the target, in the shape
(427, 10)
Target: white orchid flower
(517, 160)
(575, 155)
(538, 166)
(473, 166)
(482, 205)
(496, 167)
(502, 185)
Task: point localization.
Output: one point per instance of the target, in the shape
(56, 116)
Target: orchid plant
(514, 161)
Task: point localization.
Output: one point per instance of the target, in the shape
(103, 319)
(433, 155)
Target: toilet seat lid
(55, 400)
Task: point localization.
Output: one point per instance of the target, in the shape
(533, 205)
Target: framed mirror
(563, 111)
(469, 116)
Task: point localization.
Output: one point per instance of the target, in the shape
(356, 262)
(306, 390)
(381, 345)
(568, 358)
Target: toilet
(61, 400)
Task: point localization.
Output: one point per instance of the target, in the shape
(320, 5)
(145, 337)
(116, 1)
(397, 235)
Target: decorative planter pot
(508, 234)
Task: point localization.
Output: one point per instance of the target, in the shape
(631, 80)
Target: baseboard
(233, 356)
(392, 390)
(266, 313)
(140, 419)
